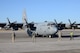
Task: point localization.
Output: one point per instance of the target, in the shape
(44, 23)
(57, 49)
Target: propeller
(9, 24)
(8, 20)
(55, 21)
(14, 22)
(72, 24)
(69, 21)
(58, 25)
(26, 21)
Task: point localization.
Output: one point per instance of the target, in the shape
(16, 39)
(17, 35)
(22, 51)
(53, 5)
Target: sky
(40, 10)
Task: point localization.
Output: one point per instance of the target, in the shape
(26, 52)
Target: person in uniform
(71, 35)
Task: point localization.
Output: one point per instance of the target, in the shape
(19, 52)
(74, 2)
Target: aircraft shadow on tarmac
(67, 36)
(63, 36)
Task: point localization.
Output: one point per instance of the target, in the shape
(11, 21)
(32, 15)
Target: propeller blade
(26, 21)
(69, 21)
(8, 20)
(74, 23)
(14, 22)
(55, 22)
(60, 23)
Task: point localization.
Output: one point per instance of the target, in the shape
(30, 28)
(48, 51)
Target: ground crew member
(33, 37)
(13, 37)
(71, 35)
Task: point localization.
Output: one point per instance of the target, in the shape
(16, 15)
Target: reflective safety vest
(71, 33)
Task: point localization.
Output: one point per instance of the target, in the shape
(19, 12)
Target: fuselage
(46, 28)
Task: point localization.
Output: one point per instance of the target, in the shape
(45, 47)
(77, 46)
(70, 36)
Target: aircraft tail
(25, 23)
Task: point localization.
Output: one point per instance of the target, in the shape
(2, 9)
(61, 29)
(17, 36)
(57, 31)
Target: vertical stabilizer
(24, 18)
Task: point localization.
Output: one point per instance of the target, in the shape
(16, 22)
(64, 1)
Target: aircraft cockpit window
(49, 24)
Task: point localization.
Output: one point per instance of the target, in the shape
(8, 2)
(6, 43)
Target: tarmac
(25, 44)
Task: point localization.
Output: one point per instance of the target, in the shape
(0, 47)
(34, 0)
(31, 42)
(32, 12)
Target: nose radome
(55, 29)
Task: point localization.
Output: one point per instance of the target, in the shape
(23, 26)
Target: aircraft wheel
(50, 36)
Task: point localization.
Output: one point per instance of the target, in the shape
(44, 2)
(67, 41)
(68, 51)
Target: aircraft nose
(55, 29)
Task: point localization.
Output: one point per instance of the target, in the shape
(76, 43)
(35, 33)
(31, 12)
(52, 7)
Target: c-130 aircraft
(45, 29)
